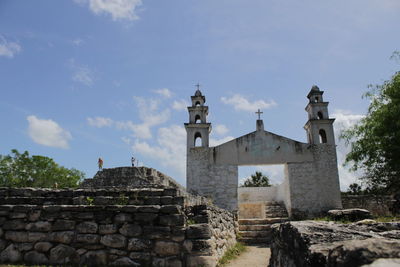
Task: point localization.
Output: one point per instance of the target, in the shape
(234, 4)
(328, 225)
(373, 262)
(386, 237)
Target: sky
(83, 79)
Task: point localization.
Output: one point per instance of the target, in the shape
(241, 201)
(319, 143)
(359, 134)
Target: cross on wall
(259, 112)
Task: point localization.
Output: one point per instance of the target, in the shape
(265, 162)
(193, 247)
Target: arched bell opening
(197, 119)
(198, 141)
(322, 136)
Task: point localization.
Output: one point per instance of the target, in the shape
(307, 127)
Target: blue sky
(82, 79)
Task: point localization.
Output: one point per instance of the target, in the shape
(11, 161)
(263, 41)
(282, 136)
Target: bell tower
(319, 126)
(198, 130)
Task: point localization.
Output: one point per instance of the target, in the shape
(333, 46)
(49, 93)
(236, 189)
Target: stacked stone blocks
(135, 227)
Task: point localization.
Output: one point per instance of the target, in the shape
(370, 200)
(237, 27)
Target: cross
(198, 86)
(259, 113)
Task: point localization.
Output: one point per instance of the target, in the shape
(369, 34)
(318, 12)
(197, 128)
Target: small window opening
(316, 99)
(320, 116)
(322, 136)
(198, 142)
(197, 103)
(197, 119)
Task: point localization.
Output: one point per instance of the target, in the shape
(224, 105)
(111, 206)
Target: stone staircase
(275, 209)
(258, 231)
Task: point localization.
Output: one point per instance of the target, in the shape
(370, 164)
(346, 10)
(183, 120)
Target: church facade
(311, 182)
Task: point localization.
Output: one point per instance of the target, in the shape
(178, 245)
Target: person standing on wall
(133, 161)
(100, 162)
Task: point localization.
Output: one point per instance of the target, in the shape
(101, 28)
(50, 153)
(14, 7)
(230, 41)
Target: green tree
(355, 189)
(257, 180)
(376, 146)
(22, 170)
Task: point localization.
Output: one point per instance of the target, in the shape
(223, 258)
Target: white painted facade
(311, 183)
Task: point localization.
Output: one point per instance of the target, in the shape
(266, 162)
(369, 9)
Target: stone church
(311, 182)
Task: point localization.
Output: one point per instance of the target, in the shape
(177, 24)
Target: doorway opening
(261, 191)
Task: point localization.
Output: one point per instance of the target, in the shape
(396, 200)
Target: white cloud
(77, 42)
(141, 130)
(170, 150)
(118, 9)
(148, 113)
(217, 142)
(239, 102)
(344, 120)
(81, 73)
(220, 129)
(165, 92)
(100, 122)
(8, 49)
(180, 104)
(47, 132)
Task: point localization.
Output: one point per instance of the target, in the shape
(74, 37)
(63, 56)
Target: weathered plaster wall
(260, 148)
(251, 200)
(260, 194)
(314, 186)
(217, 182)
(310, 186)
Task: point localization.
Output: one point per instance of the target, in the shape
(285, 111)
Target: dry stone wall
(211, 231)
(377, 205)
(135, 227)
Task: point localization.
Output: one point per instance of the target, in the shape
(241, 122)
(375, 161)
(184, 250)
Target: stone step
(273, 203)
(275, 214)
(262, 221)
(275, 209)
(256, 227)
(251, 241)
(254, 234)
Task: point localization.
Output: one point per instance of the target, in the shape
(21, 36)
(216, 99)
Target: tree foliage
(355, 189)
(257, 180)
(22, 170)
(376, 149)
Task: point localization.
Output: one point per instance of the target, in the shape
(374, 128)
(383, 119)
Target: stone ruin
(326, 244)
(152, 221)
(130, 216)
(138, 216)
(127, 177)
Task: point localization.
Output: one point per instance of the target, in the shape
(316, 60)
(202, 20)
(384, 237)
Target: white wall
(259, 194)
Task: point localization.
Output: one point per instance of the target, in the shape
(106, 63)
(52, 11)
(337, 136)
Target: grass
(387, 219)
(232, 253)
(190, 222)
